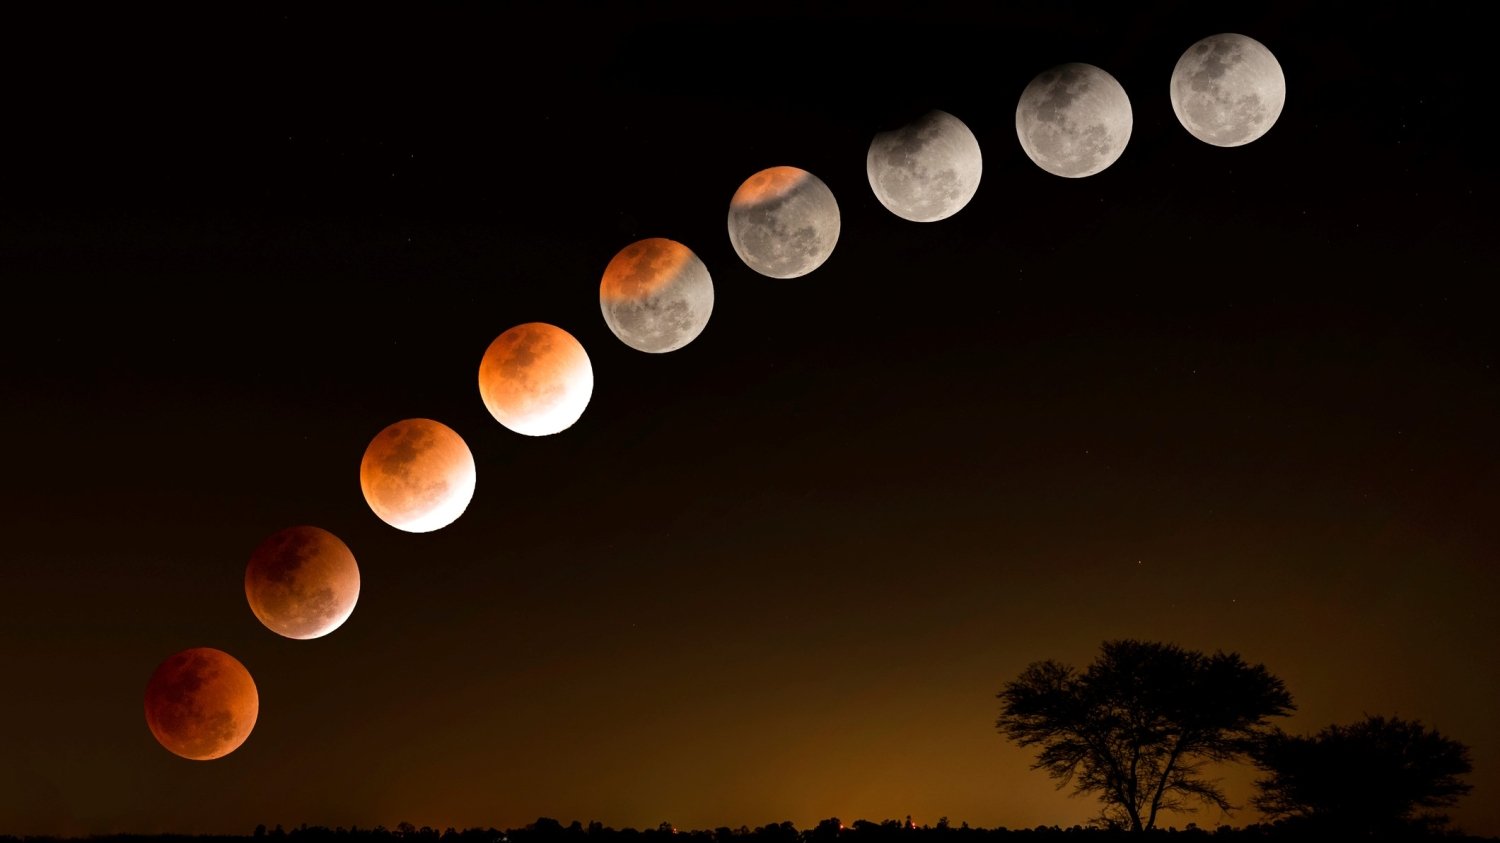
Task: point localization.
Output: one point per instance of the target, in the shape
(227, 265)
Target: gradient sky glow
(1231, 398)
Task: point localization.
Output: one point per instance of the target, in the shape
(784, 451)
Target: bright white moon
(1074, 120)
(1228, 89)
(927, 170)
(783, 222)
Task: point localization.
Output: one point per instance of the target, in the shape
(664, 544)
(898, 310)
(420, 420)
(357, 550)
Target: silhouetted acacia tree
(1140, 724)
(1377, 776)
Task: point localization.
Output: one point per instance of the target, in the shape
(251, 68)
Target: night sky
(1242, 399)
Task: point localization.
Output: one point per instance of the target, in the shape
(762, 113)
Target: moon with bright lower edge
(656, 295)
(927, 170)
(1074, 120)
(1228, 89)
(536, 379)
(302, 582)
(417, 475)
(201, 703)
(783, 222)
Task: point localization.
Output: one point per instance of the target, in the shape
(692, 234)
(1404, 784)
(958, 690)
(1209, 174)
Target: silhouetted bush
(1377, 777)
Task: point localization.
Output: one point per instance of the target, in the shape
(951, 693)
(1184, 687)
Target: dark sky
(1240, 399)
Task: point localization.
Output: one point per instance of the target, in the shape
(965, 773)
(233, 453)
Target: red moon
(302, 582)
(201, 703)
(417, 475)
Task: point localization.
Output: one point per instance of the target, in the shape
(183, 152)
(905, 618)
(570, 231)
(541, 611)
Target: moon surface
(783, 222)
(536, 379)
(302, 582)
(417, 475)
(1074, 120)
(656, 295)
(1228, 89)
(201, 703)
(927, 170)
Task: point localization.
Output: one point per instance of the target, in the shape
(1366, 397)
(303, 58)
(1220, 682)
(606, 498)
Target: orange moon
(201, 703)
(417, 475)
(302, 582)
(536, 379)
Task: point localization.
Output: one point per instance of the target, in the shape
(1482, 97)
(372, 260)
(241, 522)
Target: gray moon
(783, 222)
(1228, 89)
(1074, 120)
(656, 295)
(927, 170)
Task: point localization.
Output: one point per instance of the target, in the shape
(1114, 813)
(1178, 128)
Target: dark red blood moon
(302, 582)
(201, 703)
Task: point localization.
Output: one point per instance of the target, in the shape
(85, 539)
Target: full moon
(302, 582)
(201, 703)
(536, 379)
(783, 222)
(927, 170)
(1228, 89)
(1074, 120)
(417, 475)
(656, 295)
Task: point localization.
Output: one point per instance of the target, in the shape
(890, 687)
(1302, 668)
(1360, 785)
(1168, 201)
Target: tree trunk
(1166, 775)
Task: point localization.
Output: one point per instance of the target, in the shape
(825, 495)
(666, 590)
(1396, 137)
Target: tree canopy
(1374, 777)
(1140, 725)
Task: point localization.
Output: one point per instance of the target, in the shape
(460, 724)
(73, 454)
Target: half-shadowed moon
(783, 222)
(656, 295)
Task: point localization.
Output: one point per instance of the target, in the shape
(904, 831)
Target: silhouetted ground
(546, 830)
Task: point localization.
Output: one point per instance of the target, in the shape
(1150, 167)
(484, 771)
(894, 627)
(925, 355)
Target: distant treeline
(547, 830)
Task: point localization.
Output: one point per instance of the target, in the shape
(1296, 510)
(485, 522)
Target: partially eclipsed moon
(783, 222)
(927, 170)
(1228, 89)
(536, 379)
(417, 475)
(302, 582)
(656, 295)
(1074, 120)
(201, 703)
